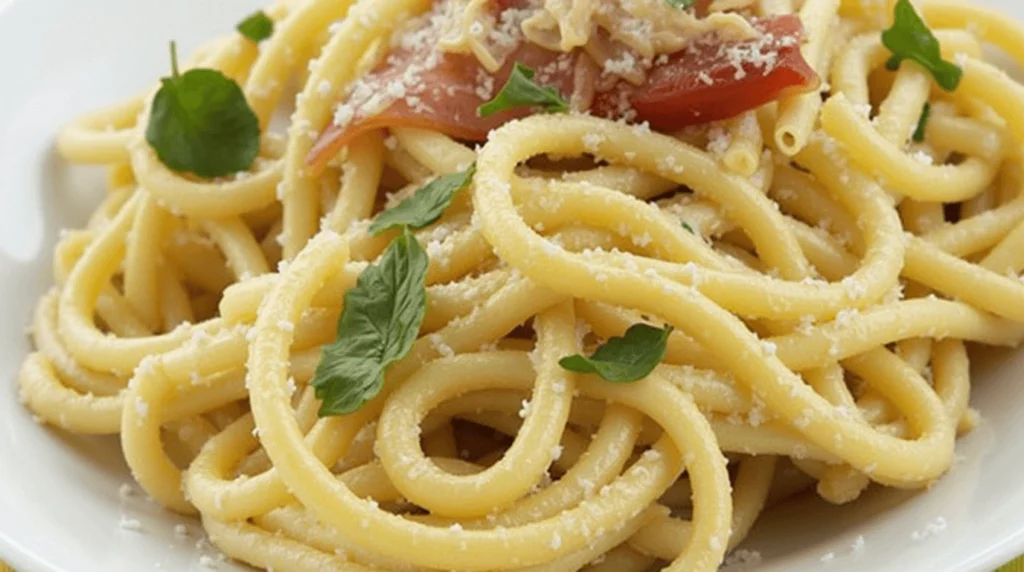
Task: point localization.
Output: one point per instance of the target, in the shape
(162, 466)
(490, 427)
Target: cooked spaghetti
(541, 284)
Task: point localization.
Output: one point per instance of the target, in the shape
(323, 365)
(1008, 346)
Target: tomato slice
(457, 86)
(710, 79)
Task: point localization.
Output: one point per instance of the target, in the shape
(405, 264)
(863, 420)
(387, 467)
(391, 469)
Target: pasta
(807, 258)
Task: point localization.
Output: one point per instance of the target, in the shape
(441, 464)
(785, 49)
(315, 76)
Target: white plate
(59, 502)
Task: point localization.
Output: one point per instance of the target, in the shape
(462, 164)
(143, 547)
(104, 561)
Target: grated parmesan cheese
(524, 411)
(141, 408)
(858, 544)
(922, 157)
(324, 88)
(933, 527)
(741, 559)
(132, 524)
(556, 541)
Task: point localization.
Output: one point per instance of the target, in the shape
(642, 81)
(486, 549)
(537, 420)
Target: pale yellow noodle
(823, 281)
(798, 113)
(142, 258)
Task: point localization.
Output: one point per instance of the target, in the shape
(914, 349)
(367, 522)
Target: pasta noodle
(815, 266)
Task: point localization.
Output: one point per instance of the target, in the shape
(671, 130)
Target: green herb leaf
(681, 4)
(257, 27)
(922, 123)
(688, 227)
(380, 321)
(520, 90)
(910, 39)
(426, 205)
(626, 359)
(201, 123)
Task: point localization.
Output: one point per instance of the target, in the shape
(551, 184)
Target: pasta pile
(815, 265)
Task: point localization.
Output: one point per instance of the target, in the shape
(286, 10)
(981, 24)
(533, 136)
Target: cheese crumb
(592, 141)
(131, 524)
(211, 561)
(934, 527)
(437, 341)
(863, 109)
(324, 88)
(141, 408)
(922, 157)
(741, 559)
(556, 541)
(858, 544)
(524, 411)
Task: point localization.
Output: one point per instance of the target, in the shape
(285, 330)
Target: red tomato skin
(703, 82)
(696, 85)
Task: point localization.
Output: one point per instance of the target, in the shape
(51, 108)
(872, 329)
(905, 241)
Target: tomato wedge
(710, 79)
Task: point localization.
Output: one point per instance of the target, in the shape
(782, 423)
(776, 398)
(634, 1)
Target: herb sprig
(200, 122)
(910, 39)
(624, 359)
(426, 205)
(922, 123)
(380, 322)
(382, 314)
(520, 90)
(257, 27)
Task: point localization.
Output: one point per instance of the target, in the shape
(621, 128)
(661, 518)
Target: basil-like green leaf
(681, 4)
(201, 123)
(922, 123)
(689, 228)
(380, 321)
(626, 359)
(257, 27)
(426, 205)
(520, 90)
(910, 39)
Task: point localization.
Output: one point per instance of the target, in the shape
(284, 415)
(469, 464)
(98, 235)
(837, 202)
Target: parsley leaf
(380, 321)
(521, 90)
(689, 228)
(257, 27)
(626, 359)
(426, 205)
(200, 122)
(681, 4)
(922, 123)
(910, 39)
